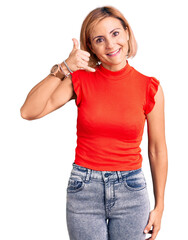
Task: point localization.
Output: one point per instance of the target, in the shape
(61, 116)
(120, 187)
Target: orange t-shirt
(112, 108)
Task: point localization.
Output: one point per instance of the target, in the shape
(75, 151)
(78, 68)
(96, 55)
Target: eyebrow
(110, 32)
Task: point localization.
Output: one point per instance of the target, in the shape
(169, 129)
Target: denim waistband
(101, 175)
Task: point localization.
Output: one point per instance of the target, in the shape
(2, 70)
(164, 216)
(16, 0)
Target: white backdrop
(36, 156)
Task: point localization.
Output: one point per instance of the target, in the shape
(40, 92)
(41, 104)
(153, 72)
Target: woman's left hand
(155, 222)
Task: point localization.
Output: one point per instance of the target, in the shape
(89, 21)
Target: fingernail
(145, 231)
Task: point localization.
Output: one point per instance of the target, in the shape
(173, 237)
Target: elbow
(24, 115)
(158, 153)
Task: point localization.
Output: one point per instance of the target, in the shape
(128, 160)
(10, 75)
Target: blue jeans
(106, 205)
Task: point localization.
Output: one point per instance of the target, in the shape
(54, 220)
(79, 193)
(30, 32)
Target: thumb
(148, 227)
(75, 43)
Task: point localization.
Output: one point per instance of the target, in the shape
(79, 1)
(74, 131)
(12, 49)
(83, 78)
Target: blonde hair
(92, 19)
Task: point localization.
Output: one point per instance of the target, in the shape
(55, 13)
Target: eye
(99, 40)
(115, 33)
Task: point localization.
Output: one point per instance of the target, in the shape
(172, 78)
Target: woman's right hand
(78, 59)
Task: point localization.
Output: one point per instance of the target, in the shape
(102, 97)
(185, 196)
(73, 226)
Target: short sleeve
(151, 91)
(77, 86)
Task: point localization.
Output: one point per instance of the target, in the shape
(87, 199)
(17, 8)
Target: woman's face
(109, 41)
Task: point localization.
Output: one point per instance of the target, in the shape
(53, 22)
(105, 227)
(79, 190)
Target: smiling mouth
(114, 53)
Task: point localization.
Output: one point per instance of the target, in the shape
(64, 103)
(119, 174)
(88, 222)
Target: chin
(117, 62)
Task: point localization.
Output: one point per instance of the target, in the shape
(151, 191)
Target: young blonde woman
(107, 195)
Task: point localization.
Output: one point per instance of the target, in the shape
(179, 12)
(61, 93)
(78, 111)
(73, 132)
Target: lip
(115, 53)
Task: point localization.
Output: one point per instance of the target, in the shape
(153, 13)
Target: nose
(109, 43)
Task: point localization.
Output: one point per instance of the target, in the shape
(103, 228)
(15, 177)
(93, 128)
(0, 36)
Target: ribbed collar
(114, 75)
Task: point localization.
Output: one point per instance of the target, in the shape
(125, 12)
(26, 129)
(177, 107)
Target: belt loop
(88, 174)
(119, 176)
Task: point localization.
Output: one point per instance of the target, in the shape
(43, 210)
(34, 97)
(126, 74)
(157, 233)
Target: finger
(90, 69)
(149, 236)
(85, 53)
(154, 235)
(75, 43)
(150, 231)
(148, 227)
(155, 232)
(84, 65)
(85, 58)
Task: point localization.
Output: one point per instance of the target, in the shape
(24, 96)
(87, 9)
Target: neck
(116, 67)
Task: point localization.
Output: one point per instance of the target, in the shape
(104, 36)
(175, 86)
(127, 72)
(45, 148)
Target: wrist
(64, 68)
(159, 207)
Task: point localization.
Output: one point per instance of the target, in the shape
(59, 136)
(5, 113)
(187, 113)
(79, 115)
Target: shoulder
(143, 78)
(141, 81)
(148, 81)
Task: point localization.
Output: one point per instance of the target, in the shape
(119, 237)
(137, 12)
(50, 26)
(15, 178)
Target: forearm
(159, 168)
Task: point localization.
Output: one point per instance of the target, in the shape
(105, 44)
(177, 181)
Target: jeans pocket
(135, 180)
(75, 183)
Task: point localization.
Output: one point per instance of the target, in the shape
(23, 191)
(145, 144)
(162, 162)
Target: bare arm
(157, 149)
(62, 94)
(36, 86)
(38, 97)
(52, 93)
(157, 152)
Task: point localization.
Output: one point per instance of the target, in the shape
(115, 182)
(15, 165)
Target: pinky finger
(84, 65)
(89, 69)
